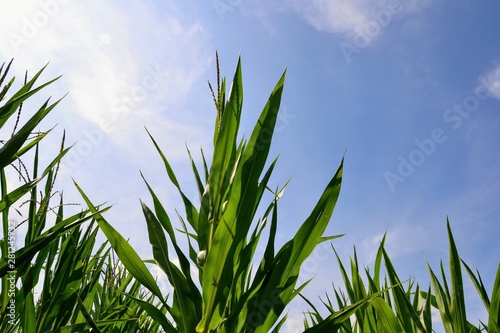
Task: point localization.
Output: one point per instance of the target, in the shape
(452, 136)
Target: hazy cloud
(348, 17)
(491, 80)
(122, 69)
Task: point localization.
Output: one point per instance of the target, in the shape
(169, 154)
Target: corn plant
(15, 263)
(389, 307)
(18, 144)
(450, 298)
(82, 288)
(231, 294)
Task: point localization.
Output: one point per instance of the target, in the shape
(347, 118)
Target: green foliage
(224, 232)
(61, 280)
(451, 303)
(384, 305)
(82, 288)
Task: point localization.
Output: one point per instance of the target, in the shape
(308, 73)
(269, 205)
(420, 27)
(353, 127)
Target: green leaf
(12, 146)
(457, 306)
(494, 310)
(27, 252)
(242, 201)
(157, 315)
(28, 317)
(21, 96)
(332, 323)
(408, 315)
(183, 309)
(478, 283)
(387, 321)
(191, 212)
(441, 301)
(282, 278)
(124, 251)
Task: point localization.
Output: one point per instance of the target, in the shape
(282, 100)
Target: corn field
(63, 280)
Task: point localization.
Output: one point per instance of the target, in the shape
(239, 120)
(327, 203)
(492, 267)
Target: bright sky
(409, 91)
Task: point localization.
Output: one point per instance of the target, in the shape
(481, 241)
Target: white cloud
(118, 64)
(352, 17)
(126, 66)
(161, 279)
(491, 81)
(294, 325)
(332, 16)
(405, 238)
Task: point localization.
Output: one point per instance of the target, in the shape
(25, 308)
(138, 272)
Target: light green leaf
(124, 251)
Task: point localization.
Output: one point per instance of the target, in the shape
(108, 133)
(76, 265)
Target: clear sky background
(409, 91)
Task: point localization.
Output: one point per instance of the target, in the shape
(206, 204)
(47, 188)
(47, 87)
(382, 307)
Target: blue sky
(408, 91)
